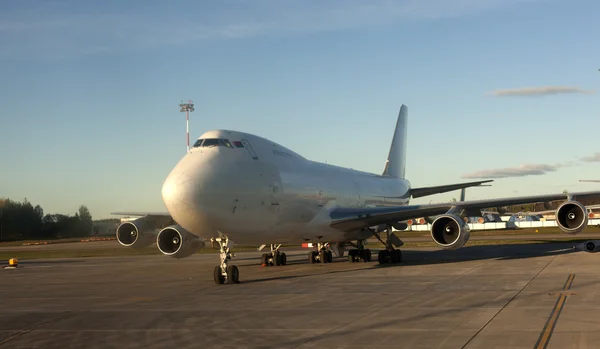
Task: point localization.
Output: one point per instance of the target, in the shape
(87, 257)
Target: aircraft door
(248, 147)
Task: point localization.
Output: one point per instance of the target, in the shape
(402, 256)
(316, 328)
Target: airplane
(236, 186)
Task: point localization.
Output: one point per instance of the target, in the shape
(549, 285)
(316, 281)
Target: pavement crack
(19, 334)
(507, 303)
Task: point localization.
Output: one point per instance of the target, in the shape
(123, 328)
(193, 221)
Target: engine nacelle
(177, 242)
(450, 232)
(400, 225)
(138, 233)
(571, 217)
(591, 246)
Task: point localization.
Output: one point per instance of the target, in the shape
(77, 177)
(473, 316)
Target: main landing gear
(322, 254)
(390, 255)
(223, 273)
(359, 254)
(274, 258)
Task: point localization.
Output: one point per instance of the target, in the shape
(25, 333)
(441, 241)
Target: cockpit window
(212, 142)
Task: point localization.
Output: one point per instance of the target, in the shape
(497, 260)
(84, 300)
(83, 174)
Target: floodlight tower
(187, 108)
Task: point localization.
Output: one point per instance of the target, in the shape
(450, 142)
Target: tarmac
(114, 243)
(511, 296)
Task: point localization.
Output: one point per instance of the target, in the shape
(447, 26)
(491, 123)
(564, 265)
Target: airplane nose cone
(178, 191)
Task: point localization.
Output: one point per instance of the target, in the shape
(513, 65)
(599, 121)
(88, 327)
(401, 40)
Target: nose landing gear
(223, 273)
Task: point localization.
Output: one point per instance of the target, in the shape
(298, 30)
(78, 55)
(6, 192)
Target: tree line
(23, 221)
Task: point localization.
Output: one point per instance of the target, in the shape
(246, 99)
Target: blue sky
(495, 88)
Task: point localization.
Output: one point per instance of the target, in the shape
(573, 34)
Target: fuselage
(259, 192)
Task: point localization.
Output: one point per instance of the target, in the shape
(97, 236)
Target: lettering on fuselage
(282, 153)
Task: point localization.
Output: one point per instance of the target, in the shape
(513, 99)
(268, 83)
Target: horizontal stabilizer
(425, 191)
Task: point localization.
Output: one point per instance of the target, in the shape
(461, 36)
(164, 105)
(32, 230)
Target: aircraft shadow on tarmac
(468, 253)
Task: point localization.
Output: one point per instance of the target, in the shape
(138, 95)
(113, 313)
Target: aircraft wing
(539, 212)
(348, 219)
(425, 191)
(137, 213)
(159, 218)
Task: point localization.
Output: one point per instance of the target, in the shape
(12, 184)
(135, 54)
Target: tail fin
(395, 165)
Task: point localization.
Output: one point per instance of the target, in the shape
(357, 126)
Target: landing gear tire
(389, 256)
(219, 279)
(283, 259)
(312, 257)
(324, 256)
(233, 275)
(359, 255)
(274, 258)
(264, 260)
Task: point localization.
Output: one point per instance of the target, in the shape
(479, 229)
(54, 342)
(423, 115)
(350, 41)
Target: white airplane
(235, 186)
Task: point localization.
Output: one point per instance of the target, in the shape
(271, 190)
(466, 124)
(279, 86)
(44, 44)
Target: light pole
(187, 108)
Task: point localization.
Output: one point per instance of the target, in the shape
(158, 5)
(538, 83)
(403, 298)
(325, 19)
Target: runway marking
(546, 334)
(569, 282)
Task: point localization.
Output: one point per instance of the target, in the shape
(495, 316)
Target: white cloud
(592, 158)
(65, 28)
(539, 91)
(520, 171)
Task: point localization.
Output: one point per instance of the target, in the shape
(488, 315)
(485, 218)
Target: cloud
(593, 158)
(64, 28)
(539, 91)
(520, 171)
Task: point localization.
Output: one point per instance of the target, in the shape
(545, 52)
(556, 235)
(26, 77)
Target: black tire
(276, 258)
(219, 279)
(323, 256)
(399, 256)
(233, 274)
(311, 257)
(381, 257)
(368, 255)
(264, 260)
(329, 256)
(283, 259)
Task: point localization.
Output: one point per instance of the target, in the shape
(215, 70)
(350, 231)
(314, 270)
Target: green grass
(98, 252)
(124, 251)
(52, 241)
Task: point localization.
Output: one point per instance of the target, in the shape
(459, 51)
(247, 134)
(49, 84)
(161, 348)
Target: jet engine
(571, 217)
(591, 246)
(177, 242)
(450, 232)
(138, 233)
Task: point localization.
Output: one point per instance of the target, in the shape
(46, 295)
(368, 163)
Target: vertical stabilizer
(395, 165)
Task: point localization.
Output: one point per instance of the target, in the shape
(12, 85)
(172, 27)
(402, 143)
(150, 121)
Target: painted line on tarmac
(544, 339)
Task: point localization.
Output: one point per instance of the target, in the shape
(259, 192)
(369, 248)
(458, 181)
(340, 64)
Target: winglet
(395, 165)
